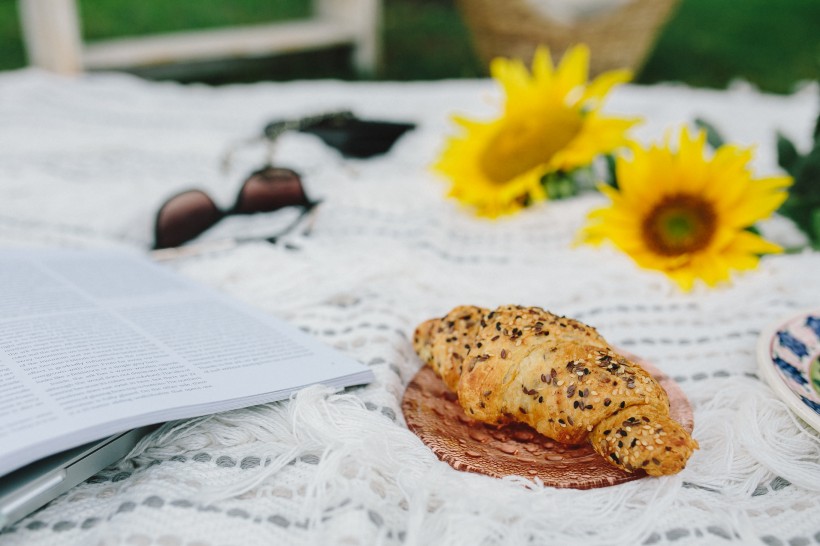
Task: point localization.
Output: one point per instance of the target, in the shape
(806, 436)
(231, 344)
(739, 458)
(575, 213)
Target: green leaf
(560, 185)
(815, 235)
(787, 155)
(611, 172)
(807, 178)
(713, 137)
(803, 203)
(817, 130)
(585, 178)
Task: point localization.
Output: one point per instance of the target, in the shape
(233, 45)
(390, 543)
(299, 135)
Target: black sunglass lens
(270, 189)
(184, 217)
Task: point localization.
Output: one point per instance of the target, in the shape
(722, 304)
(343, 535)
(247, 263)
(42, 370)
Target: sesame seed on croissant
(558, 375)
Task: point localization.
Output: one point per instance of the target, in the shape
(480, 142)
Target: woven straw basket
(619, 38)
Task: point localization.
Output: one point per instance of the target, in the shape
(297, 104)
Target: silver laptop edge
(31, 487)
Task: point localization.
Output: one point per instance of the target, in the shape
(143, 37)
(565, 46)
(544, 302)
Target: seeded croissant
(558, 375)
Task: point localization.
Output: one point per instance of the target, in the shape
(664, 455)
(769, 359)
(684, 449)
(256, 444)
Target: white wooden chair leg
(364, 16)
(51, 31)
(367, 51)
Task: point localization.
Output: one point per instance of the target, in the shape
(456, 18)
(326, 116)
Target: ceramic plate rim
(773, 379)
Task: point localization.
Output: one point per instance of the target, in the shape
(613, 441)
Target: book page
(94, 343)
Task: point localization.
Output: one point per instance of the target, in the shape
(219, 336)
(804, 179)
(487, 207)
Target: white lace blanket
(87, 161)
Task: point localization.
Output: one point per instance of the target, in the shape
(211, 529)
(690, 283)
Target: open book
(94, 343)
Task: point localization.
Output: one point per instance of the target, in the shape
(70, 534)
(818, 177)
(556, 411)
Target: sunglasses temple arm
(273, 130)
(306, 217)
(230, 153)
(271, 148)
(311, 214)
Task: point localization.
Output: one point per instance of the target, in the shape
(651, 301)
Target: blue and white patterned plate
(788, 353)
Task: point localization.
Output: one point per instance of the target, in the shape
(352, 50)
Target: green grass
(426, 39)
(774, 44)
(708, 42)
(109, 18)
(11, 47)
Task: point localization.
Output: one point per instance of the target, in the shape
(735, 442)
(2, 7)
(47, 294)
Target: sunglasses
(187, 215)
(343, 131)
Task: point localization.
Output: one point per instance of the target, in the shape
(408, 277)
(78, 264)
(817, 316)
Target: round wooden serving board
(432, 412)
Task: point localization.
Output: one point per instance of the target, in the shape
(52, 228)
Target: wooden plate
(432, 412)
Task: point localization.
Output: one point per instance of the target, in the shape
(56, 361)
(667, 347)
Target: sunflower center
(679, 224)
(524, 142)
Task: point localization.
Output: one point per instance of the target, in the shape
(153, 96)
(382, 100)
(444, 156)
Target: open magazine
(93, 343)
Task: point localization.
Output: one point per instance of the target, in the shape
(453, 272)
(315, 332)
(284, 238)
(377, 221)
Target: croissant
(558, 375)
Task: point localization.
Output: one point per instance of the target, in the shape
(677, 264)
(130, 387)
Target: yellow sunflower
(686, 212)
(551, 121)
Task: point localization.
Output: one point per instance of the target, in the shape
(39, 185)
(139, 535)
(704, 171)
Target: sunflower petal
(598, 135)
(511, 74)
(757, 205)
(573, 70)
(746, 242)
(603, 84)
(542, 68)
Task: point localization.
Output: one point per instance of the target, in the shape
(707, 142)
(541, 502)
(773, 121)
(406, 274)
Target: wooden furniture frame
(53, 38)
